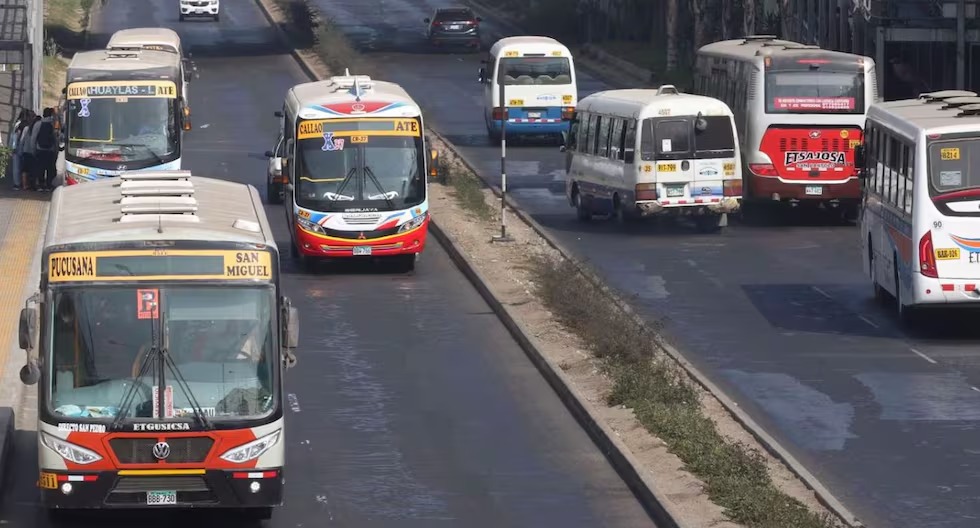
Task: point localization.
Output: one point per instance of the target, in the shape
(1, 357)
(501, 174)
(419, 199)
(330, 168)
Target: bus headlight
(253, 449)
(68, 450)
(413, 223)
(306, 224)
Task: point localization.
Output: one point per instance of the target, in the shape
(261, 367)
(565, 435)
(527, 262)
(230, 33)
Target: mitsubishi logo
(814, 134)
(161, 450)
(360, 236)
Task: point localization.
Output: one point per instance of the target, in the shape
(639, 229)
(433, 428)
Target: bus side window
(901, 170)
(602, 148)
(880, 163)
(572, 134)
(583, 132)
(629, 140)
(590, 139)
(616, 140)
(596, 131)
(909, 177)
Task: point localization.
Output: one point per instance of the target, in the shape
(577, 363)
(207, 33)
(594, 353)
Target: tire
(623, 217)
(707, 223)
(494, 137)
(878, 291)
(581, 211)
(405, 263)
(906, 314)
(182, 18)
(272, 192)
(217, 18)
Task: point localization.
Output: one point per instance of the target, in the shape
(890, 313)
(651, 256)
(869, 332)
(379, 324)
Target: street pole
(503, 237)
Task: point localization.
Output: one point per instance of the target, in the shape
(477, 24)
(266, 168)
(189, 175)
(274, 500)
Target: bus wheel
(707, 223)
(582, 212)
(849, 214)
(272, 193)
(906, 314)
(405, 263)
(879, 292)
(494, 137)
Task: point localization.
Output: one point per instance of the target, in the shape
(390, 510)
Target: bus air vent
(116, 53)
(971, 110)
(157, 195)
(956, 102)
(935, 97)
(668, 89)
(757, 38)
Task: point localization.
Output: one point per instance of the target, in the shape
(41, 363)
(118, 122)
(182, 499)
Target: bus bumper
(320, 245)
(772, 188)
(695, 206)
(253, 488)
(531, 127)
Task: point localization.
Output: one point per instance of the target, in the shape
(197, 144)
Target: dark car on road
(454, 25)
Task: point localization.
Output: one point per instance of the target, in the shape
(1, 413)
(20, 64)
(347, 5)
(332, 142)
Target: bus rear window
(676, 138)
(536, 70)
(814, 92)
(949, 165)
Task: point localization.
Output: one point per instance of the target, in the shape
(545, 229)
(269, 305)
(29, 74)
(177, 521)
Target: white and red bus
(354, 170)
(799, 112)
(161, 338)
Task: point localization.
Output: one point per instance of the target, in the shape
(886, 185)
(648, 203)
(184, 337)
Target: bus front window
(220, 340)
(366, 171)
(536, 70)
(122, 130)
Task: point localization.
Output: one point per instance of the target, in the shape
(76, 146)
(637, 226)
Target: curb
(619, 456)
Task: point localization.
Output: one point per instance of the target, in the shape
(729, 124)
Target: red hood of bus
(812, 153)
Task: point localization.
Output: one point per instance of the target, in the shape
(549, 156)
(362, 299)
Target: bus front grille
(184, 450)
(133, 490)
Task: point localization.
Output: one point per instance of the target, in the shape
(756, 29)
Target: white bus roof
(120, 61)
(947, 112)
(339, 97)
(755, 47)
(641, 103)
(132, 208)
(138, 37)
(530, 44)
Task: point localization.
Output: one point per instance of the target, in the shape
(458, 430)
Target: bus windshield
(677, 138)
(365, 164)
(536, 70)
(221, 340)
(814, 92)
(122, 130)
(949, 165)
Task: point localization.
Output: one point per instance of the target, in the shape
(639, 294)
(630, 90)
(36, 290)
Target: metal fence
(21, 59)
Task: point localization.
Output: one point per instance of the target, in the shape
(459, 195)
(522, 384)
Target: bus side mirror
(483, 75)
(27, 336)
(629, 156)
(278, 113)
(564, 142)
(188, 72)
(292, 328)
(859, 156)
(289, 147)
(434, 166)
(269, 154)
(27, 333)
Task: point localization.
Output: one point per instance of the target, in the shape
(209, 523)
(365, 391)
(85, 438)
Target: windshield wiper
(182, 383)
(347, 179)
(370, 174)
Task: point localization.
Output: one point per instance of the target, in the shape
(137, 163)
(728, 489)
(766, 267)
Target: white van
(539, 84)
(638, 153)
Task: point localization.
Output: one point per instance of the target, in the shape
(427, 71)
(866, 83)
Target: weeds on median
(311, 30)
(468, 191)
(65, 25)
(667, 403)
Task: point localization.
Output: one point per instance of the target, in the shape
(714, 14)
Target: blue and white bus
(124, 110)
(539, 84)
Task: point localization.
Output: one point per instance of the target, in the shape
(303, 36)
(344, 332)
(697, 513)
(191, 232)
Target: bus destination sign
(136, 265)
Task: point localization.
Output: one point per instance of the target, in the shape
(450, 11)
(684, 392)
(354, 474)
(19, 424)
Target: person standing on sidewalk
(23, 120)
(27, 161)
(46, 151)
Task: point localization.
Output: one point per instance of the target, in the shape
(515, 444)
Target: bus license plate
(362, 250)
(674, 191)
(948, 253)
(534, 115)
(814, 190)
(161, 497)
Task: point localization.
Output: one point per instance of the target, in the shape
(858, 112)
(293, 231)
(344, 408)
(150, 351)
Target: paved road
(780, 316)
(412, 405)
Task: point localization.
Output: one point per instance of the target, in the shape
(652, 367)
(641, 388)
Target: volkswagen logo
(161, 450)
(814, 134)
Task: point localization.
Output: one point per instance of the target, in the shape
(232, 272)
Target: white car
(197, 8)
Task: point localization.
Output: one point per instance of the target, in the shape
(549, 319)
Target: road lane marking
(869, 321)
(821, 292)
(923, 356)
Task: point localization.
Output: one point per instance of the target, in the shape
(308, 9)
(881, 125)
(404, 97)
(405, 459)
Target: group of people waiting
(35, 146)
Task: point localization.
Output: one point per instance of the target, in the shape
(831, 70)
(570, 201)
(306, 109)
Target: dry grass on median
(661, 395)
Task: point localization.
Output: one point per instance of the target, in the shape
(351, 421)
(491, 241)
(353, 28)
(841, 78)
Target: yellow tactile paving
(27, 220)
